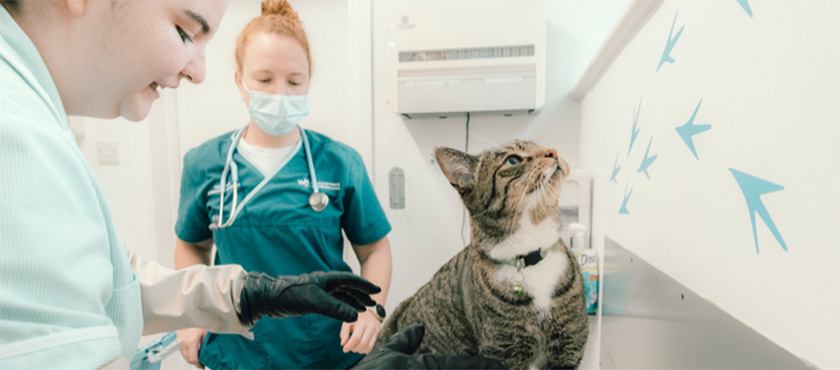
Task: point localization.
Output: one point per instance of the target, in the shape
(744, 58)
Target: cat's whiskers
(545, 200)
(521, 204)
(548, 193)
(538, 190)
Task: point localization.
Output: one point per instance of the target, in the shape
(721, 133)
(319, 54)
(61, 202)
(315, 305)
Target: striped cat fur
(469, 307)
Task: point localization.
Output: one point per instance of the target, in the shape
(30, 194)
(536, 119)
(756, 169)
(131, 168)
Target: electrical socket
(107, 152)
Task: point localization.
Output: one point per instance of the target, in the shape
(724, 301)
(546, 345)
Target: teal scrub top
(278, 233)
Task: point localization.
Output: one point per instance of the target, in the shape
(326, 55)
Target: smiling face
(506, 187)
(273, 64)
(146, 46)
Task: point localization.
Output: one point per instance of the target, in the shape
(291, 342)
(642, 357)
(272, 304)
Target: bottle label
(587, 261)
(589, 269)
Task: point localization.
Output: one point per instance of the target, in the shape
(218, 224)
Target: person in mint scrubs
(275, 198)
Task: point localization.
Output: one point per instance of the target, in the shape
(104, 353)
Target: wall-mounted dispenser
(481, 58)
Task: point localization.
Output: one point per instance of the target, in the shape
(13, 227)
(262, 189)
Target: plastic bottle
(578, 240)
(588, 259)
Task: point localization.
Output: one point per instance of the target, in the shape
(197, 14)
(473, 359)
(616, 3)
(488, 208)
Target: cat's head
(508, 188)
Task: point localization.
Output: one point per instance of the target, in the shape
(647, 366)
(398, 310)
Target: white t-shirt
(265, 159)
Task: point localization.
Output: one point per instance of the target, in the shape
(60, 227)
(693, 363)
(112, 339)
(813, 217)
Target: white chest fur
(538, 280)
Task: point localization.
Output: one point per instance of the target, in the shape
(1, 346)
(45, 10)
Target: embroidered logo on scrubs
(322, 185)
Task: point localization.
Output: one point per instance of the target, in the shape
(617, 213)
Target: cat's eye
(514, 160)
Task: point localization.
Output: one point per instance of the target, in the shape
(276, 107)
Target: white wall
(427, 232)
(127, 185)
(770, 89)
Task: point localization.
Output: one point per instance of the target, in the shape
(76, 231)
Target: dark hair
(10, 5)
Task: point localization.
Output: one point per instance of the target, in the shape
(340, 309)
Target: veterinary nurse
(274, 197)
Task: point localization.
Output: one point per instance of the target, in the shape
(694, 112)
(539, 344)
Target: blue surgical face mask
(276, 114)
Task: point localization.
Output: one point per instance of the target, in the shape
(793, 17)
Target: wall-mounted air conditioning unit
(488, 57)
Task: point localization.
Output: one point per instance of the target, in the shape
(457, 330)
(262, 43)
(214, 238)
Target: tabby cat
(515, 294)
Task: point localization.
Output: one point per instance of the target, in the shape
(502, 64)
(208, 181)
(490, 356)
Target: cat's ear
(457, 166)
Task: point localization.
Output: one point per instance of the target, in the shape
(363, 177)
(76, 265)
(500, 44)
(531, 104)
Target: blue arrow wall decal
(746, 5)
(669, 46)
(634, 131)
(689, 129)
(623, 210)
(647, 161)
(753, 187)
(616, 167)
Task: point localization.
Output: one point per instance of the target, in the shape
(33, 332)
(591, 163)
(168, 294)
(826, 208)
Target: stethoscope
(317, 200)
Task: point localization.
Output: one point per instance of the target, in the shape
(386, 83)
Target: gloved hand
(397, 353)
(339, 295)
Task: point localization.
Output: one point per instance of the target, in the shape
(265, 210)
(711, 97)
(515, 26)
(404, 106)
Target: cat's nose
(551, 153)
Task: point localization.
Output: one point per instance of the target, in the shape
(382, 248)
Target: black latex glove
(397, 353)
(339, 295)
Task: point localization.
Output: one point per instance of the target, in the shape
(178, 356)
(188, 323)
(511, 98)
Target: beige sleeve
(200, 296)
